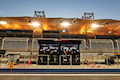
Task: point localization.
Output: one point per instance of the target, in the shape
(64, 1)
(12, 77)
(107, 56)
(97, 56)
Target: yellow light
(82, 31)
(89, 30)
(65, 24)
(3, 22)
(34, 24)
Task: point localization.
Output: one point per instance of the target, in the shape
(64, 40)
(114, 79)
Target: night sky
(103, 9)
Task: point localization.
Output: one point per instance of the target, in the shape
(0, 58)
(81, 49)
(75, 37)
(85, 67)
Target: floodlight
(63, 30)
(34, 24)
(65, 24)
(96, 25)
(109, 31)
(3, 22)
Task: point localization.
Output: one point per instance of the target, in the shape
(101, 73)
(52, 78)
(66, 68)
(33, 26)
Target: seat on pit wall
(73, 53)
(77, 56)
(69, 52)
(41, 51)
(78, 52)
(48, 51)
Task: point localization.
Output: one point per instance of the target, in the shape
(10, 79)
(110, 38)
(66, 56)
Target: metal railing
(89, 58)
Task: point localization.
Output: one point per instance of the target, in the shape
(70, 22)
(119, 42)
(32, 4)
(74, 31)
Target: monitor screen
(8, 31)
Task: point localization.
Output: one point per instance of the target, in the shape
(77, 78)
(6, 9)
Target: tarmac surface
(61, 76)
(58, 77)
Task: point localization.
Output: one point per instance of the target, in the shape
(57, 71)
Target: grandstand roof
(20, 23)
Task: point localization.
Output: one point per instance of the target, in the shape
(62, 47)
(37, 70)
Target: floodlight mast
(39, 14)
(88, 16)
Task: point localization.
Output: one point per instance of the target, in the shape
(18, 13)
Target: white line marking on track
(59, 74)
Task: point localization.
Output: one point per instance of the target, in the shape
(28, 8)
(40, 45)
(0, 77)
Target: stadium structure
(59, 44)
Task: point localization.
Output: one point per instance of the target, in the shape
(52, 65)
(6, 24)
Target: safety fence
(35, 61)
(94, 54)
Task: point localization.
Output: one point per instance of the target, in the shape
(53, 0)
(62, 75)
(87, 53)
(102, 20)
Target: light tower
(39, 14)
(88, 16)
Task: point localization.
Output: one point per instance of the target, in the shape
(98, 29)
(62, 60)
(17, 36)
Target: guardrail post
(117, 61)
(107, 61)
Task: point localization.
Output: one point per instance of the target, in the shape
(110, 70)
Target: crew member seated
(51, 51)
(43, 58)
(55, 57)
(64, 51)
(69, 51)
(73, 51)
(64, 58)
(77, 56)
(48, 51)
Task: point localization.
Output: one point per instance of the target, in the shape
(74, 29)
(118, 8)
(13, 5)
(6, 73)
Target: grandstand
(51, 28)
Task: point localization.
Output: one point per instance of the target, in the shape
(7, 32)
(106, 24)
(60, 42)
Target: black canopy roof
(61, 41)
